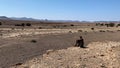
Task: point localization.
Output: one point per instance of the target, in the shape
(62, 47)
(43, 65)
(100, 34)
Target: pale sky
(82, 10)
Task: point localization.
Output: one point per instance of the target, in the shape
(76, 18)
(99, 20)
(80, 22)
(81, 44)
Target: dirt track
(17, 50)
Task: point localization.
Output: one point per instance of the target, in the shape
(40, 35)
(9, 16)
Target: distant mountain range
(4, 17)
(32, 19)
(16, 18)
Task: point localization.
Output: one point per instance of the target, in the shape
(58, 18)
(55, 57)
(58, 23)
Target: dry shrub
(70, 31)
(33, 41)
(39, 27)
(80, 31)
(12, 28)
(1, 34)
(101, 31)
(92, 28)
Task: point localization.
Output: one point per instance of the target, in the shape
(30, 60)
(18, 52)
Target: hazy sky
(88, 10)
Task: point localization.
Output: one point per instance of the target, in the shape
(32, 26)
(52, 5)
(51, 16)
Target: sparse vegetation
(107, 25)
(33, 41)
(39, 27)
(100, 24)
(92, 28)
(13, 28)
(54, 26)
(0, 23)
(80, 31)
(97, 24)
(20, 24)
(62, 33)
(28, 24)
(70, 31)
(110, 25)
(22, 28)
(1, 34)
(23, 24)
(72, 25)
(64, 25)
(101, 31)
(57, 26)
(118, 25)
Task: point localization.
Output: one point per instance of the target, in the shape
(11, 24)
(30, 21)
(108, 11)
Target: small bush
(70, 31)
(12, 28)
(23, 24)
(71, 25)
(118, 25)
(39, 27)
(64, 25)
(0, 23)
(28, 24)
(101, 31)
(54, 26)
(18, 25)
(33, 41)
(112, 24)
(22, 29)
(80, 31)
(92, 28)
(102, 24)
(97, 24)
(18, 64)
(107, 25)
(1, 34)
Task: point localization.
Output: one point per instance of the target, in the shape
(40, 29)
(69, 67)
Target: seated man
(80, 42)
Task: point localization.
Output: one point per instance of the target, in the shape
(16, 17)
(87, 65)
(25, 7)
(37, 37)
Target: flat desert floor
(15, 49)
(19, 44)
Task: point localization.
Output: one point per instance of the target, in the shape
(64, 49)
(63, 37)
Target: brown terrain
(19, 45)
(98, 55)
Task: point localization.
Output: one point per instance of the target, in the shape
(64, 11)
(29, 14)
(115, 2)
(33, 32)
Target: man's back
(80, 42)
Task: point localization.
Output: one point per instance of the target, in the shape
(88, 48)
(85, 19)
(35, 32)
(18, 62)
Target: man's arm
(76, 44)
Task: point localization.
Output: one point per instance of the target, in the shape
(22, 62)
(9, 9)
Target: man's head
(80, 37)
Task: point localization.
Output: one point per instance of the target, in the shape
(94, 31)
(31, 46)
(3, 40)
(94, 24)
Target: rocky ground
(95, 55)
(9, 32)
(16, 46)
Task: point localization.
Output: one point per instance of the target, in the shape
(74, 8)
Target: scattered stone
(75, 57)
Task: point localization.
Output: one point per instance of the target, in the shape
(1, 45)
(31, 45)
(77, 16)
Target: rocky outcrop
(96, 55)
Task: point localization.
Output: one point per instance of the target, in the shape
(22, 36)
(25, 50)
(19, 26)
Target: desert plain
(35, 45)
